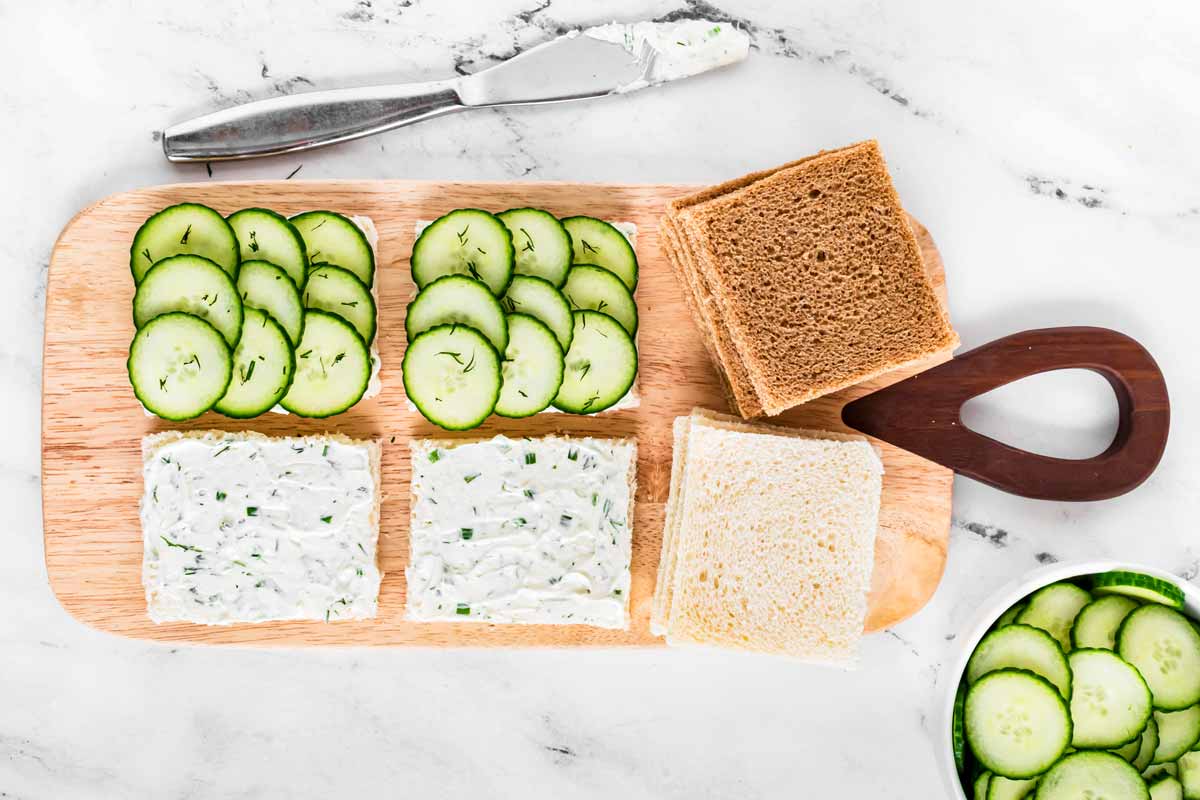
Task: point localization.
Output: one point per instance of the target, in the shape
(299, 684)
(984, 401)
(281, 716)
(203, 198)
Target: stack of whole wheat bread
(769, 539)
(805, 279)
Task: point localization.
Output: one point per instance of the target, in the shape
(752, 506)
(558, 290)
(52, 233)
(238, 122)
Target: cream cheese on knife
(681, 49)
(534, 531)
(246, 528)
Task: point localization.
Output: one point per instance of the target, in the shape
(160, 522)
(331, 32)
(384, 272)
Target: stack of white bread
(769, 539)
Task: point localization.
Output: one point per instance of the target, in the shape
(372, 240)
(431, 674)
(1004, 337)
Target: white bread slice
(774, 541)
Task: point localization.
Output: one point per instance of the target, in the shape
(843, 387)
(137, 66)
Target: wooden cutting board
(92, 424)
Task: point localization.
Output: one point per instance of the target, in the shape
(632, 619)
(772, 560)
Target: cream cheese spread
(680, 49)
(534, 531)
(251, 528)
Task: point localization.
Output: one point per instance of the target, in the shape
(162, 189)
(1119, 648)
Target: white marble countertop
(1051, 152)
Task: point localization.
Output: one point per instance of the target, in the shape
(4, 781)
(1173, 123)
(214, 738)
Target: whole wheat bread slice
(815, 275)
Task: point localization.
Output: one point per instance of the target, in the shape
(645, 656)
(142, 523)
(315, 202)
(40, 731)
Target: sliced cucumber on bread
(340, 292)
(532, 370)
(193, 285)
(457, 299)
(179, 366)
(331, 238)
(601, 364)
(264, 235)
(263, 366)
(596, 242)
(538, 298)
(470, 242)
(268, 287)
(541, 245)
(452, 375)
(184, 229)
(333, 367)
(597, 289)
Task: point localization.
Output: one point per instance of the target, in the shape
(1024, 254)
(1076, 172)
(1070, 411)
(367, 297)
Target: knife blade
(582, 64)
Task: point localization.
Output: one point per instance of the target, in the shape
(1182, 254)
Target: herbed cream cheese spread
(681, 49)
(249, 528)
(534, 531)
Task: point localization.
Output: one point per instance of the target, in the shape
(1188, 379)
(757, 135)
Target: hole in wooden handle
(923, 414)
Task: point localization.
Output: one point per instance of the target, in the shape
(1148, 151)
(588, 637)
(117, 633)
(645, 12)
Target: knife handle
(303, 121)
(922, 414)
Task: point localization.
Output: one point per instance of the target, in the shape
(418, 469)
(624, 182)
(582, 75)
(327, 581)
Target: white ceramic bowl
(996, 606)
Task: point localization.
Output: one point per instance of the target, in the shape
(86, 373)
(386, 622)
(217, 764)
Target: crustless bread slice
(815, 277)
(769, 539)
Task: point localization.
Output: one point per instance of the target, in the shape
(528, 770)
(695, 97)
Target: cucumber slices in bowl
(568, 349)
(1123, 658)
(192, 283)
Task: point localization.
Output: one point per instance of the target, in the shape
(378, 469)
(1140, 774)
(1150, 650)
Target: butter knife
(582, 64)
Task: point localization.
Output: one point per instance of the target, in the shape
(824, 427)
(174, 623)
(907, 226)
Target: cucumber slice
(1178, 732)
(1165, 648)
(597, 242)
(264, 235)
(1097, 623)
(532, 368)
(330, 238)
(458, 299)
(1156, 771)
(538, 298)
(958, 736)
(333, 367)
(541, 244)
(179, 366)
(1166, 787)
(1147, 747)
(1053, 608)
(1092, 775)
(600, 290)
(1007, 789)
(980, 787)
(600, 365)
(193, 285)
(1189, 775)
(263, 366)
(187, 228)
(469, 242)
(267, 287)
(1010, 616)
(1021, 647)
(1138, 586)
(1130, 750)
(340, 292)
(1017, 723)
(452, 376)
(1111, 703)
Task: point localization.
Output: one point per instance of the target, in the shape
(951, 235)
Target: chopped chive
(239, 563)
(180, 546)
(469, 478)
(325, 451)
(531, 458)
(573, 454)
(463, 609)
(529, 493)
(434, 455)
(251, 511)
(594, 498)
(565, 520)
(467, 533)
(616, 591)
(327, 520)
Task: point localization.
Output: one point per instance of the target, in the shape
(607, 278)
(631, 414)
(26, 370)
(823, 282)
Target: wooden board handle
(923, 414)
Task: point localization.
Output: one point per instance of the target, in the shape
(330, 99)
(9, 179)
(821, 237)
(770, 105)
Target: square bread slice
(241, 527)
(526, 531)
(773, 534)
(816, 276)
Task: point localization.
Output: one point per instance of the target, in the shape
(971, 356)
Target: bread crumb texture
(815, 274)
